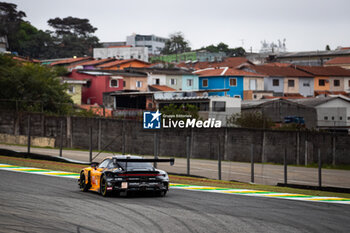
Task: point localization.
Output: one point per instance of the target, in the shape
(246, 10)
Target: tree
(222, 47)
(32, 87)
(176, 44)
(328, 48)
(10, 20)
(250, 120)
(72, 37)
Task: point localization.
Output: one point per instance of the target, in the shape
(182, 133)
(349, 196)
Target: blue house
(190, 82)
(223, 81)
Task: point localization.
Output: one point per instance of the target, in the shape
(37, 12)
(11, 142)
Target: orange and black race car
(125, 174)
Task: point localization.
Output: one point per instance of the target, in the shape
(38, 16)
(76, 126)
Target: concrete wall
(268, 84)
(140, 53)
(234, 143)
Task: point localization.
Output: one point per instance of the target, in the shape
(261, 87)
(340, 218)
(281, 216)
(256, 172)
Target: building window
(71, 89)
(275, 82)
(326, 117)
(291, 83)
(205, 82)
(219, 106)
(237, 96)
(189, 82)
(138, 84)
(340, 118)
(336, 82)
(306, 84)
(172, 81)
(255, 96)
(113, 83)
(131, 57)
(156, 81)
(233, 82)
(332, 118)
(139, 56)
(124, 83)
(322, 82)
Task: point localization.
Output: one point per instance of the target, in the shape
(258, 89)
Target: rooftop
(338, 60)
(232, 62)
(160, 88)
(119, 62)
(325, 70)
(278, 71)
(70, 61)
(225, 71)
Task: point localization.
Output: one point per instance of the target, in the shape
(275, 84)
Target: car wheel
(82, 183)
(103, 187)
(161, 193)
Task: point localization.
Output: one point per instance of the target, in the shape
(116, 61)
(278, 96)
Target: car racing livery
(125, 174)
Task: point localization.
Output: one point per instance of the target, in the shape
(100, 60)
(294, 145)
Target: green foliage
(328, 48)
(32, 87)
(250, 120)
(222, 47)
(176, 44)
(174, 109)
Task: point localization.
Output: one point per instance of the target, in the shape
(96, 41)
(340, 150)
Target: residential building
(332, 112)
(277, 109)
(97, 82)
(328, 80)
(153, 44)
(284, 81)
(309, 58)
(122, 52)
(229, 80)
(74, 89)
(343, 62)
(177, 79)
(121, 64)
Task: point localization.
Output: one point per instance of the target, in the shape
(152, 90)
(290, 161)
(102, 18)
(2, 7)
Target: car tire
(82, 183)
(161, 193)
(103, 187)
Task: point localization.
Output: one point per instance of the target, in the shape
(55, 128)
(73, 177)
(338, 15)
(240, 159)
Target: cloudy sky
(306, 24)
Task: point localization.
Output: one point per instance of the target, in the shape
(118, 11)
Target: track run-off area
(39, 200)
(246, 192)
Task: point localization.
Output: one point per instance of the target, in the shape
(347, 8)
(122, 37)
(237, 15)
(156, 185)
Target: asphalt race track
(36, 203)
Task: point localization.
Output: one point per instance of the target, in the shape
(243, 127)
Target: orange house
(121, 64)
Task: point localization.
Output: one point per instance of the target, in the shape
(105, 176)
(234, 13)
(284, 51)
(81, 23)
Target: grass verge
(174, 178)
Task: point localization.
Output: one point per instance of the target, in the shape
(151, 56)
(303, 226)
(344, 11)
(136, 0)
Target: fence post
(285, 165)
(29, 133)
(219, 160)
(319, 168)
(99, 134)
(298, 149)
(155, 149)
(306, 148)
(333, 151)
(123, 138)
(188, 148)
(61, 138)
(90, 144)
(252, 163)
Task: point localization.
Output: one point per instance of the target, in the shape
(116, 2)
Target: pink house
(98, 82)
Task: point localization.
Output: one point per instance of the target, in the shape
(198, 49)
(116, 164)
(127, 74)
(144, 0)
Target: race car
(125, 174)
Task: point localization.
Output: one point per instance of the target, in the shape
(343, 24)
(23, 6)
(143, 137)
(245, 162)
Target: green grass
(173, 178)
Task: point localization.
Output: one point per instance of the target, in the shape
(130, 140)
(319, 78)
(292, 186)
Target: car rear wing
(126, 160)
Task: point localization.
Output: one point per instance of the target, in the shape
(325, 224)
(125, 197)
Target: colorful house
(177, 79)
(74, 89)
(332, 79)
(97, 82)
(284, 80)
(343, 62)
(229, 80)
(71, 63)
(121, 64)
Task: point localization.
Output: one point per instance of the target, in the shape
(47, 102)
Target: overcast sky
(306, 24)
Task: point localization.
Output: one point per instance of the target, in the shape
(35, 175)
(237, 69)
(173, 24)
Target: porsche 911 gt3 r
(124, 174)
